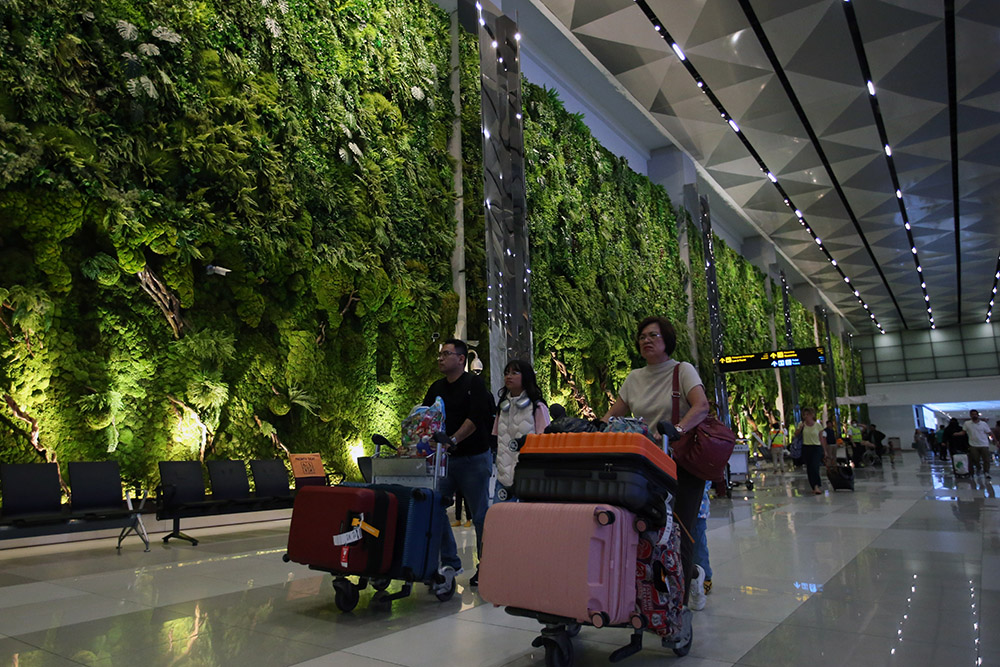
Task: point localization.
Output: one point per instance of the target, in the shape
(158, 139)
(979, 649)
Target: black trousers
(690, 490)
(813, 454)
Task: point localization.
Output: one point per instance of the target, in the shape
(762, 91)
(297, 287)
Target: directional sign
(805, 356)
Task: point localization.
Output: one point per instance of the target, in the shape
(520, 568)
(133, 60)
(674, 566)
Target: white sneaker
(696, 598)
(449, 573)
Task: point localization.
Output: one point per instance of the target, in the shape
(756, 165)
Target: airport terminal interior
(238, 231)
(903, 571)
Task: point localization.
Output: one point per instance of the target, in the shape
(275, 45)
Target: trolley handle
(668, 431)
(381, 441)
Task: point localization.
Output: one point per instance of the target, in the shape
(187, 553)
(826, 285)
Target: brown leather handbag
(704, 450)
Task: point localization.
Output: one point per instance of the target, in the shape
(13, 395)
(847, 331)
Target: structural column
(714, 314)
(793, 386)
(508, 265)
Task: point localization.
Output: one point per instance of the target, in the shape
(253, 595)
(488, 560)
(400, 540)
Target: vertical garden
(226, 230)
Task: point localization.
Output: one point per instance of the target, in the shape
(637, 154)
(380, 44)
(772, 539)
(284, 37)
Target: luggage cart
(422, 474)
(739, 466)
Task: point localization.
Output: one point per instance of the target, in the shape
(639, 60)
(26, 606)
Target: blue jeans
(470, 475)
(701, 547)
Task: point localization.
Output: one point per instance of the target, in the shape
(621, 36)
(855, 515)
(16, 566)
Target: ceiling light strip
(949, 32)
(800, 111)
(993, 296)
(686, 62)
(866, 74)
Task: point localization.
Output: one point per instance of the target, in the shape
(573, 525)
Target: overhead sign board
(803, 356)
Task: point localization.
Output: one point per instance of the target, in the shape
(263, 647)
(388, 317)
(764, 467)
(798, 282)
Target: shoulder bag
(704, 450)
(795, 449)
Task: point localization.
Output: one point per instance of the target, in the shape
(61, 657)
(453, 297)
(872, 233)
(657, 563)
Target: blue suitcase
(420, 522)
(422, 517)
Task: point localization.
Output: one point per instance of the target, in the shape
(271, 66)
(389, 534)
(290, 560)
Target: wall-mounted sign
(803, 356)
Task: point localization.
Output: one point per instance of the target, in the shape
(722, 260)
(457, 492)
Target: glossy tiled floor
(904, 571)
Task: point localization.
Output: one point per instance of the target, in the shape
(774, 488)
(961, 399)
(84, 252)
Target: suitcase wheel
(641, 525)
(380, 584)
(604, 517)
(599, 619)
(638, 621)
(286, 558)
(346, 594)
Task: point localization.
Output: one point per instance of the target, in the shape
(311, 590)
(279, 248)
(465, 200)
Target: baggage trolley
(558, 631)
(415, 479)
(739, 466)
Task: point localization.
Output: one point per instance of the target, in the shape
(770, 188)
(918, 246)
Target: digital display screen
(804, 356)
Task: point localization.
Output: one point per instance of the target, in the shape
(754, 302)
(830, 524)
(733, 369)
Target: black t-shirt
(831, 436)
(465, 398)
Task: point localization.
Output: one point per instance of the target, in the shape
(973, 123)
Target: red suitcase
(345, 530)
(573, 561)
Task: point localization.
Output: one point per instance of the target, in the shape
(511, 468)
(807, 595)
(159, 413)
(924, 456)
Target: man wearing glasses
(468, 411)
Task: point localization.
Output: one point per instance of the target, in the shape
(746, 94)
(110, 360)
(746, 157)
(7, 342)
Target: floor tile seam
(368, 657)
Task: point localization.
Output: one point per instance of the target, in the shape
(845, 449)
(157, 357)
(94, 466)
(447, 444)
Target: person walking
(778, 447)
(468, 413)
(522, 411)
(814, 448)
(979, 443)
(648, 393)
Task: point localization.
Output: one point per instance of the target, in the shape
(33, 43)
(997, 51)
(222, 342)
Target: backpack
(422, 422)
(795, 449)
(630, 425)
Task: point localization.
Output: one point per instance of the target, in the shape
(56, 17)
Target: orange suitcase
(622, 469)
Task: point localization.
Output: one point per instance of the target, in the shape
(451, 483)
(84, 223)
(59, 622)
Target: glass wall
(929, 354)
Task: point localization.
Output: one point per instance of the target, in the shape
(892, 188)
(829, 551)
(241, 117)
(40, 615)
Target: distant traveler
(979, 443)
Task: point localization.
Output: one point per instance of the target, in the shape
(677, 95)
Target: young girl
(521, 411)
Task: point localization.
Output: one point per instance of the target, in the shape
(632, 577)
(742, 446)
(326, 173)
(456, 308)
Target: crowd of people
(474, 421)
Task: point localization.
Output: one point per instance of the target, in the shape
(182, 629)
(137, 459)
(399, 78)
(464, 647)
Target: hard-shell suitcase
(421, 520)
(346, 530)
(960, 464)
(572, 561)
(622, 469)
(841, 477)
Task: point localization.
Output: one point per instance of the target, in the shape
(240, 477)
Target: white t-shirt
(979, 433)
(648, 391)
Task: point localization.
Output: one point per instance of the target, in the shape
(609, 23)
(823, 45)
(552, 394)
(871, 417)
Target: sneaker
(708, 586)
(448, 573)
(696, 599)
(456, 523)
(468, 524)
(474, 580)
(988, 476)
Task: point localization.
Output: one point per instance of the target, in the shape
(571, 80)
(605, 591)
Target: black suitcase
(841, 477)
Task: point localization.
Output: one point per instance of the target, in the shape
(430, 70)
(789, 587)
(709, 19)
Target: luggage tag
(668, 528)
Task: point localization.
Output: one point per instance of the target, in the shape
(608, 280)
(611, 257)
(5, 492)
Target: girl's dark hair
(666, 330)
(528, 381)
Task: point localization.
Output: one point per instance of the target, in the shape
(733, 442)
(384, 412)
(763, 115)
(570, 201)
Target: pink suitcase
(574, 561)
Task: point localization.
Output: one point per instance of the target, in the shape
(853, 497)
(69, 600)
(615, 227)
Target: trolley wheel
(346, 595)
(558, 649)
(380, 584)
(286, 558)
(641, 525)
(749, 485)
(604, 517)
(572, 629)
(448, 594)
(682, 651)
(380, 601)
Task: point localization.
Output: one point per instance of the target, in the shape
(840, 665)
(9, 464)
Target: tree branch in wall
(35, 437)
(581, 401)
(168, 303)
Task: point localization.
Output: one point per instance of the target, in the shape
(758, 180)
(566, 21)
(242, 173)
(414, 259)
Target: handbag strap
(676, 395)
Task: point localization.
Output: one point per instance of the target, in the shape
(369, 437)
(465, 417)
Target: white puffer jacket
(511, 425)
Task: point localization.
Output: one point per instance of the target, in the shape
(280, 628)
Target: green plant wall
(604, 255)
(746, 320)
(809, 378)
(301, 145)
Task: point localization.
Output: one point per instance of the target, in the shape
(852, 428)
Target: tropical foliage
(148, 147)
